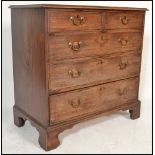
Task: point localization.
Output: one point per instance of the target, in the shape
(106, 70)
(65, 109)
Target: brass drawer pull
(74, 73)
(123, 65)
(122, 92)
(75, 104)
(75, 46)
(103, 39)
(124, 20)
(123, 42)
(77, 20)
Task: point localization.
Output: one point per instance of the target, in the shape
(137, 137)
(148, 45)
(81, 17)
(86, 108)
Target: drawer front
(121, 20)
(70, 74)
(73, 20)
(86, 101)
(84, 45)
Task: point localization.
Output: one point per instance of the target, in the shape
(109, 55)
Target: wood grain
(29, 62)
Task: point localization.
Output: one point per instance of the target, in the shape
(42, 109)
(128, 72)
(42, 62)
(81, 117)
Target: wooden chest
(74, 63)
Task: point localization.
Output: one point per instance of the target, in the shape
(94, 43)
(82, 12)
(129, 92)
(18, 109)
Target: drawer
(121, 20)
(71, 74)
(89, 44)
(103, 97)
(73, 20)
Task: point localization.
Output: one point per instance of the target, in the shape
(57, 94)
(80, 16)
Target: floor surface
(113, 134)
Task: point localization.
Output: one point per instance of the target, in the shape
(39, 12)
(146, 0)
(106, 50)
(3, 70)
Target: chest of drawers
(74, 63)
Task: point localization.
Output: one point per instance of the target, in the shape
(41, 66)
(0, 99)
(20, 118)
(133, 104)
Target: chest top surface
(54, 6)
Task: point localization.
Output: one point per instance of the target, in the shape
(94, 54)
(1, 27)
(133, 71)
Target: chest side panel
(28, 35)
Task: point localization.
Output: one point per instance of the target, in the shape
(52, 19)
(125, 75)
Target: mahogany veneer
(74, 63)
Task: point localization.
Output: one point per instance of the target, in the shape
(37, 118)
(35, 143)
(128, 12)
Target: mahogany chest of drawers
(74, 63)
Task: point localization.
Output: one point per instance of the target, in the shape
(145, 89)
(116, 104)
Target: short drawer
(71, 74)
(121, 20)
(73, 20)
(90, 44)
(89, 100)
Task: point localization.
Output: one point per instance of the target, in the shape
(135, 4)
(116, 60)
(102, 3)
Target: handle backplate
(75, 46)
(74, 73)
(124, 20)
(74, 104)
(77, 20)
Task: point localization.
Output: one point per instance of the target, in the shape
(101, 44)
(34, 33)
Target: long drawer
(71, 74)
(91, 44)
(103, 97)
